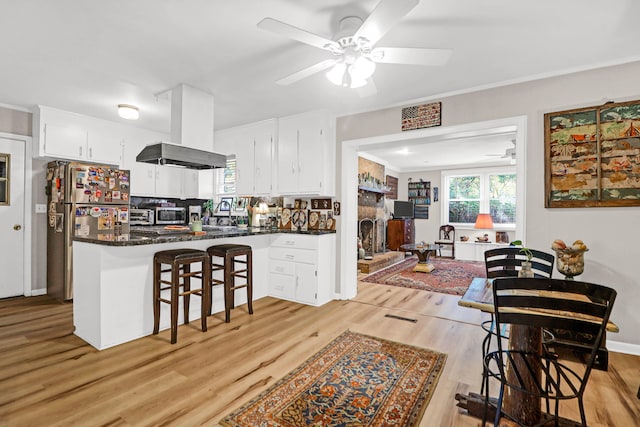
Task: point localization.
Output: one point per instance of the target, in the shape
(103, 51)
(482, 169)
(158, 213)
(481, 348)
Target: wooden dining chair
(546, 303)
(447, 237)
(506, 262)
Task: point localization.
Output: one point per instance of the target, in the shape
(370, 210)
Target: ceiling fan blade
(298, 34)
(383, 17)
(409, 55)
(299, 75)
(367, 90)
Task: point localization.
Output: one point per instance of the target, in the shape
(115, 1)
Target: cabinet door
(190, 183)
(243, 149)
(104, 148)
(69, 142)
(168, 181)
(306, 283)
(310, 155)
(282, 286)
(263, 162)
(287, 156)
(143, 179)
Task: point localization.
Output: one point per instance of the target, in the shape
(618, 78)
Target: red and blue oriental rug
(450, 276)
(357, 380)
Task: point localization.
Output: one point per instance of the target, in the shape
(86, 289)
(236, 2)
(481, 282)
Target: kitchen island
(113, 275)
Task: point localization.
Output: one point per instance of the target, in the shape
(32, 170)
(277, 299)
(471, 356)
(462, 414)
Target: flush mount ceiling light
(129, 112)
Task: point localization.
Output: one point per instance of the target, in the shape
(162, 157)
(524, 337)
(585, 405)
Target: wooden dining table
(525, 408)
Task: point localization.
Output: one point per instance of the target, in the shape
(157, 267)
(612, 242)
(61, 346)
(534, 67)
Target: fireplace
(372, 233)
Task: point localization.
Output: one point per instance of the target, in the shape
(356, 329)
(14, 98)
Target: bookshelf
(420, 194)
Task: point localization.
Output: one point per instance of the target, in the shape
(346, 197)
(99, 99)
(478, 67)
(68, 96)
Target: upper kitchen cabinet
(306, 154)
(253, 145)
(71, 136)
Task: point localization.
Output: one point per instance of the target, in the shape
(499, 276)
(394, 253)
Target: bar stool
(180, 261)
(229, 254)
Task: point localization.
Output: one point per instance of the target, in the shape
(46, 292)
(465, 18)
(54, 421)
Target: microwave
(171, 215)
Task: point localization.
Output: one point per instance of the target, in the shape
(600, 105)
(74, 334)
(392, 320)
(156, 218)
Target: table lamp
(484, 221)
(263, 210)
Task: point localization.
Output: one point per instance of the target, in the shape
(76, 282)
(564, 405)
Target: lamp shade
(263, 208)
(484, 221)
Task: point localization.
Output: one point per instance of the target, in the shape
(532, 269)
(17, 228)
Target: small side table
(423, 252)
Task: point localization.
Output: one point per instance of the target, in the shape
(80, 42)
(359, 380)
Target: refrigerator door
(99, 184)
(94, 219)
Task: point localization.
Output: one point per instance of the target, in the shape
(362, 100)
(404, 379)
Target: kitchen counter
(112, 275)
(135, 239)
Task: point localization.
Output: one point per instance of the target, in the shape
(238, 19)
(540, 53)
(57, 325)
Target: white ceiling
(87, 56)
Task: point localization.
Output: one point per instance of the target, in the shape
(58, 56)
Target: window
(226, 178)
(469, 192)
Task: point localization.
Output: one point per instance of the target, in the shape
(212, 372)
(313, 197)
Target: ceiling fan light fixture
(336, 74)
(355, 81)
(129, 112)
(363, 68)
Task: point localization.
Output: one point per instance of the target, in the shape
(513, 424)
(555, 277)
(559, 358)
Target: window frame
(484, 174)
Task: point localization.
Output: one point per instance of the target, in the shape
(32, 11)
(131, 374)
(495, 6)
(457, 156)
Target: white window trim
(484, 200)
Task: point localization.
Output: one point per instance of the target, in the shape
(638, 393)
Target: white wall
(612, 234)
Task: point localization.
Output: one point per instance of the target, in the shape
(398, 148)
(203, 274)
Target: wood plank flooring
(50, 377)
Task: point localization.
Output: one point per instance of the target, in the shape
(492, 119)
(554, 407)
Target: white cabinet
(71, 136)
(253, 146)
(302, 268)
(306, 154)
(472, 251)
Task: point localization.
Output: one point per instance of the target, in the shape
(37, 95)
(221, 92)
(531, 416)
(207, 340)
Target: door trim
(28, 194)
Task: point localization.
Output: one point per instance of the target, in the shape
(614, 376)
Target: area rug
(450, 276)
(357, 380)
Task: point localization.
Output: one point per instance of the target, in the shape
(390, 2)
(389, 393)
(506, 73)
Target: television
(402, 209)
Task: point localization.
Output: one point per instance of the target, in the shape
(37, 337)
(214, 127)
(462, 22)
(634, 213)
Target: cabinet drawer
(293, 241)
(281, 285)
(282, 267)
(293, 255)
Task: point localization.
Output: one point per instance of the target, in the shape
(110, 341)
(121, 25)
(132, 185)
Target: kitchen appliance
(165, 153)
(170, 215)
(195, 213)
(142, 217)
(83, 200)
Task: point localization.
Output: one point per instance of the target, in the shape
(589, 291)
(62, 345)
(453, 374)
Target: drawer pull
(289, 256)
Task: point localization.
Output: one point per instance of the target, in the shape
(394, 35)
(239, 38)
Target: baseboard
(623, 347)
(37, 292)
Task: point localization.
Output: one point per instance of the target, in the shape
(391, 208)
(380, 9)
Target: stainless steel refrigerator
(83, 200)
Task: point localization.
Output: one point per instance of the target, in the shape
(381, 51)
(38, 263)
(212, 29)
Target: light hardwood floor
(50, 377)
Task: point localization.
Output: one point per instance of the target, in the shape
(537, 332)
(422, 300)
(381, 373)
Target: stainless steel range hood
(164, 153)
(191, 133)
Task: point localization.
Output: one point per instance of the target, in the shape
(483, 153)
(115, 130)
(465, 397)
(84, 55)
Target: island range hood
(164, 153)
(191, 133)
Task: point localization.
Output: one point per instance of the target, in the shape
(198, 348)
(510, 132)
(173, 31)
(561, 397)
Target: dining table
(525, 408)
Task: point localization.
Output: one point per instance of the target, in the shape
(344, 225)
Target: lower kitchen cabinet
(302, 268)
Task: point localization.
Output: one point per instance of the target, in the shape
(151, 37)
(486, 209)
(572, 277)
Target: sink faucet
(217, 209)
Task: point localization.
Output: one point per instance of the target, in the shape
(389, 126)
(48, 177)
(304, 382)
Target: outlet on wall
(41, 208)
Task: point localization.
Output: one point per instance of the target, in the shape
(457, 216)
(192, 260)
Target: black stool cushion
(228, 249)
(172, 255)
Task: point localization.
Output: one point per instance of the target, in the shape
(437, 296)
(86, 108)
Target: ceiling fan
(354, 55)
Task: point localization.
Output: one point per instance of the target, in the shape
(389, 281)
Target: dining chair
(447, 237)
(506, 262)
(546, 303)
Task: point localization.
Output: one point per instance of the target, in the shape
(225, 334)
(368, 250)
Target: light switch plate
(41, 208)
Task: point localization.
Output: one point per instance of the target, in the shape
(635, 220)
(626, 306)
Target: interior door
(11, 217)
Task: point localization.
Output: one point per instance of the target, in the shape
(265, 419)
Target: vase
(525, 269)
(570, 262)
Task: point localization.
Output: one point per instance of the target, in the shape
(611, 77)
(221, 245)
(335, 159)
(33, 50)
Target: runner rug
(357, 380)
(450, 276)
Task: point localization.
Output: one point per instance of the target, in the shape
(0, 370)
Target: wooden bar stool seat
(229, 254)
(180, 261)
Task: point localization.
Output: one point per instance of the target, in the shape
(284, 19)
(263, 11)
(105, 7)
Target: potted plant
(525, 270)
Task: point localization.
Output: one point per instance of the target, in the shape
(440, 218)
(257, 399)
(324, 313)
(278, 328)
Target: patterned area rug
(450, 276)
(357, 380)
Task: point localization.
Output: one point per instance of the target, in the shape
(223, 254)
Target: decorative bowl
(570, 262)
(464, 238)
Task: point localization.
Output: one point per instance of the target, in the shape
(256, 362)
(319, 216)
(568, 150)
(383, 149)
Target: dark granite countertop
(110, 239)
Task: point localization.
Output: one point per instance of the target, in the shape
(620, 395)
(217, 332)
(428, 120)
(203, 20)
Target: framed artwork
(225, 204)
(421, 116)
(592, 156)
(435, 194)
